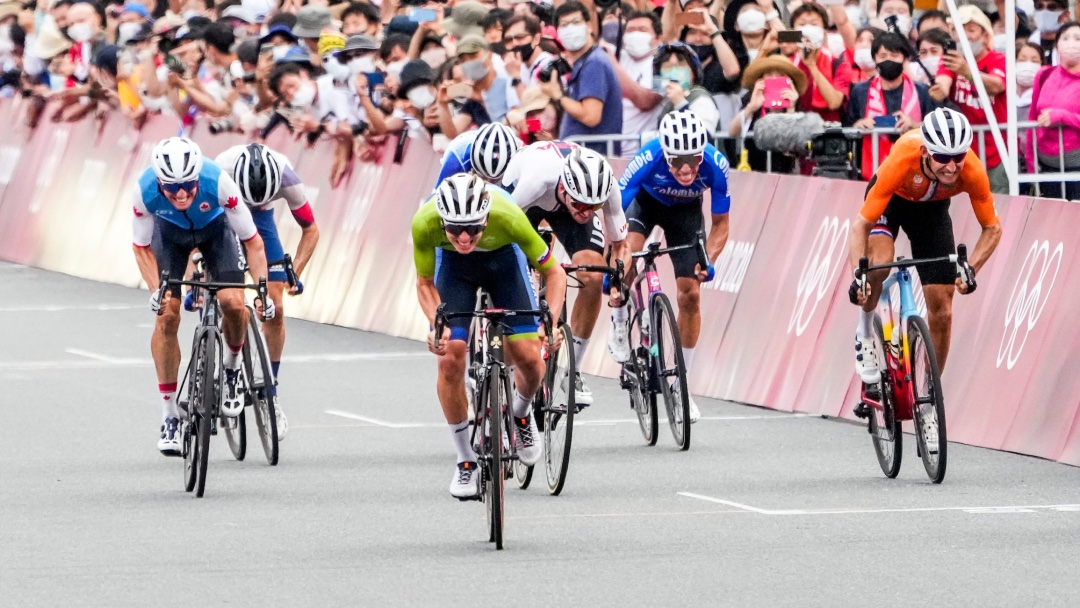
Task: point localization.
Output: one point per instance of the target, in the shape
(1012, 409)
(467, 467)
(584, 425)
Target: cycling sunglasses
(174, 188)
(584, 207)
(687, 159)
(947, 158)
(459, 229)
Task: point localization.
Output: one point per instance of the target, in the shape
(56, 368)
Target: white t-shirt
(534, 173)
(331, 103)
(633, 119)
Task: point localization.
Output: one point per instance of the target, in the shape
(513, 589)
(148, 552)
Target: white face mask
(364, 64)
(855, 15)
(916, 73)
(337, 70)
(815, 34)
(574, 37)
(80, 32)
(474, 70)
(1001, 42)
(977, 47)
(279, 52)
(865, 59)
(7, 45)
(836, 44)
(1025, 72)
(303, 96)
(932, 63)
(421, 97)
(394, 68)
(434, 57)
(903, 23)
(126, 30)
(751, 21)
(638, 44)
(1047, 21)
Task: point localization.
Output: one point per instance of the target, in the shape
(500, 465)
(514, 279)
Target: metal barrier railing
(981, 132)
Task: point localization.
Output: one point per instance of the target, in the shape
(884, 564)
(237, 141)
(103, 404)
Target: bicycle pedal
(862, 410)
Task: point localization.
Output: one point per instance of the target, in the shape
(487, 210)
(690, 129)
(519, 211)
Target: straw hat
(774, 63)
(50, 42)
(533, 99)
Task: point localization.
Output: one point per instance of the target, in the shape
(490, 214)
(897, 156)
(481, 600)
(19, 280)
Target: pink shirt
(1058, 91)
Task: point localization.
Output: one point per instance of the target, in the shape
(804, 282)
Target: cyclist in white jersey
(565, 185)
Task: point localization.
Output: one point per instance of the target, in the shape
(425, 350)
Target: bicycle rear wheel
(885, 429)
(236, 434)
(261, 388)
(495, 488)
(929, 410)
(207, 405)
(671, 370)
(635, 378)
(559, 411)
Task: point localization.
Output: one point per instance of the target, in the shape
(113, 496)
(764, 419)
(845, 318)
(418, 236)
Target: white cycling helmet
(258, 174)
(492, 149)
(946, 131)
(587, 177)
(462, 199)
(176, 160)
(682, 134)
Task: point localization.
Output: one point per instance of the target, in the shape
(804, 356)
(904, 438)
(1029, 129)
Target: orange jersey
(901, 174)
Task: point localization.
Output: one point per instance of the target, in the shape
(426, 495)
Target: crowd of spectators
(353, 73)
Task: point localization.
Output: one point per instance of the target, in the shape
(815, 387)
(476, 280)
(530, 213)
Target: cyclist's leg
(640, 221)
(585, 245)
(881, 249)
(224, 256)
(681, 225)
(274, 329)
(930, 229)
(506, 279)
(171, 252)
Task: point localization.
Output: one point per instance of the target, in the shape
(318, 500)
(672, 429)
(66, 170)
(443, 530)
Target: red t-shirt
(838, 72)
(966, 97)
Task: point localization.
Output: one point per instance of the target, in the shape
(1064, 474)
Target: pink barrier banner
(777, 326)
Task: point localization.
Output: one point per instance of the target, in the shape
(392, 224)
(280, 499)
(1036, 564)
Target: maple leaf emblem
(231, 202)
(137, 212)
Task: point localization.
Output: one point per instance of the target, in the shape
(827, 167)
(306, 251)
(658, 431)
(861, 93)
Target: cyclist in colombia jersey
(185, 202)
(470, 236)
(911, 191)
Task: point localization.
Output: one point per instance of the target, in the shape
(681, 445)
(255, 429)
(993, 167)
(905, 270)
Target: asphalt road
(766, 509)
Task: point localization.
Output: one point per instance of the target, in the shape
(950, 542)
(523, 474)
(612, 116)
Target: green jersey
(506, 225)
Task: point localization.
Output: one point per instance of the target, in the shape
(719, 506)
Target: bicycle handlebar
(492, 314)
(290, 272)
(959, 258)
(611, 275)
(212, 287)
(654, 251)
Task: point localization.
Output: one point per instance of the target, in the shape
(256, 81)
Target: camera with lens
(222, 125)
(836, 152)
(559, 65)
(605, 4)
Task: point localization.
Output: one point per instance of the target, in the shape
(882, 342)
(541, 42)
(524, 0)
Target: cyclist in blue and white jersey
(664, 185)
(485, 151)
(183, 203)
(265, 176)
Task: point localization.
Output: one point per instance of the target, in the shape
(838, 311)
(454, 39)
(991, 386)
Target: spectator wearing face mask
(1028, 64)
(933, 19)
(864, 66)
(1049, 15)
(475, 58)
(360, 18)
(524, 56)
(895, 16)
(1055, 103)
(84, 30)
(889, 100)
(641, 103)
(311, 21)
(954, 82)
(363, 82)
(747, 30)
(130, 19)
(679, 76)
(720, 70)
(754, 106)
(931, 48)
(592, 100)
(829, 77)
(458, 113)
(541, 116)
(418, 114)
(243, 22)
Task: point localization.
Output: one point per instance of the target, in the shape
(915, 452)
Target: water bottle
(894, 343)
(645, 320)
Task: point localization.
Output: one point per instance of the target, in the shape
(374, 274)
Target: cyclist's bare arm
(142, 229)
(555, 278)
(718, 236)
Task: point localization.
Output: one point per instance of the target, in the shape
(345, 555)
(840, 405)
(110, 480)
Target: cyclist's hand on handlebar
(615, 297)
(157, 302)
(859, 291)
(702, 273)
(297, 289)
(443, 341)
(266, 307)
(553, 342)
(961, 282)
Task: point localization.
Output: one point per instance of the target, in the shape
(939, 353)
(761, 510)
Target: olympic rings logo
(819, 271)
(1029, 296)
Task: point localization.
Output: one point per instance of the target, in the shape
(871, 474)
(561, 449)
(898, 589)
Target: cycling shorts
(221, 250)
(681, 224)
(573, 236)
(275, 252)
(929, 228)
(502, 273)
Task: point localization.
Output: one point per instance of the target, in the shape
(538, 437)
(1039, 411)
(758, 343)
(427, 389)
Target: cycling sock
(275, 365)
(232, 356)
(463, 442)
(687, 357)
(580, 344)
(168, 400)
(866, 323)
(620, 314)
(521, 405)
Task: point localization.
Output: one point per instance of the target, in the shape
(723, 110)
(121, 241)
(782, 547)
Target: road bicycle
(493, 432)
(204, 379)
(910, 385)
(656, 359)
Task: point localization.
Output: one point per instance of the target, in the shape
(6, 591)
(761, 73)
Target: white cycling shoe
(169, 443)
(695, 413)
(618, 343)
(529, 447)
(465, 484)
(232, 402)
(282, 422)
(866, 361)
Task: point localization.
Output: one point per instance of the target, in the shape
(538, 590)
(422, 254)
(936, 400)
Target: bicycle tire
(676, 402)
(495, 488)
(930, 378)
(261, 393)
(189, 447)
(559, 425)
(642, 400)
(889, 453)
(207, 406)
(236, 436)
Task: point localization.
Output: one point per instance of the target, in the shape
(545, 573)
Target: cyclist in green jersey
(471, 236)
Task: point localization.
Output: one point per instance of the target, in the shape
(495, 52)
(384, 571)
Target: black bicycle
(493, 431)
(201, 405)
(656, 359)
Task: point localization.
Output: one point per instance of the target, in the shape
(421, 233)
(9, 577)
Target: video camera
(837, 152)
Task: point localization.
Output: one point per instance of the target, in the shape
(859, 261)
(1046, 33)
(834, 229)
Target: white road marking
(376, 421)
(969, 510)
(105, 358)
(100, 360)
(66, 308)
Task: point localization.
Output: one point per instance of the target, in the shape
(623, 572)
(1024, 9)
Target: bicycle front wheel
(261, 388)
(670, 369)
(635, 378)
(929, 410)
(210, 380)
(559, 385)
(885, 429)
(495, 487)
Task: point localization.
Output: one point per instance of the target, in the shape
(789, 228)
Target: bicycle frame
(897, 347)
